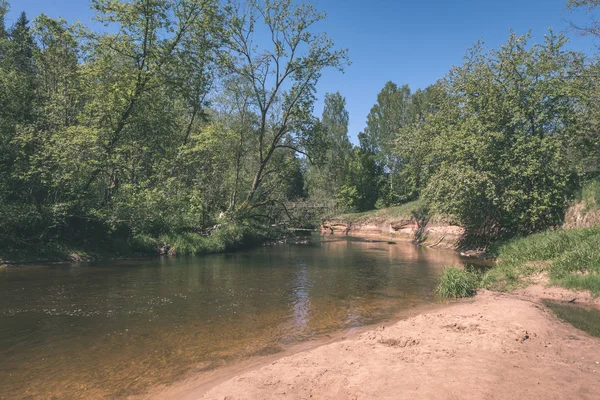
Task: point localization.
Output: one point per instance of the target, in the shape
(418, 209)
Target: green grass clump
(227, 237)
(457, 282)
(403, 211)
(571, 258)
(580, 282)
(399, 212)
(590, 196)
(143, 244)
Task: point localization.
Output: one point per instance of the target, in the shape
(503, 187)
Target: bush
(457, 282)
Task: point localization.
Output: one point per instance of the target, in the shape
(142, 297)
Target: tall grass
(571, 258)
(590, 195)
(457, 282)
(227, 237)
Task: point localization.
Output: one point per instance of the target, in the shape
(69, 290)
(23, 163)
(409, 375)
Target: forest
(188, 126)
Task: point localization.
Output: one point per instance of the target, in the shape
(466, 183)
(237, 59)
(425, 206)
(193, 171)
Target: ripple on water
(112, 330)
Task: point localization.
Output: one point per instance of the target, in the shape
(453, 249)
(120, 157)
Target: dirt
(580, 216)
(496, 346)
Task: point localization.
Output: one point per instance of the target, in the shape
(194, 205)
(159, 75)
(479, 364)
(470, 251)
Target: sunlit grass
(590, 195)
(403, 211)
(225, 238)
(571, 258)
(457, 282)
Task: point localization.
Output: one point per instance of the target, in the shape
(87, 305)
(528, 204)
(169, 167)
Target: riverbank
(497, 345)
(220, 239)
(408, 222)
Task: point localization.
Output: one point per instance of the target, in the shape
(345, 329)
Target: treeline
(188, 125)
(502, 143)
(180, 122)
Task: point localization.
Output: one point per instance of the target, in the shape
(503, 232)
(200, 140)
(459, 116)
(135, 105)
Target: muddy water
(586, 318)
(113, 330)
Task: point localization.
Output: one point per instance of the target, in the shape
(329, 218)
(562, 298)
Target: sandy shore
(495, 346)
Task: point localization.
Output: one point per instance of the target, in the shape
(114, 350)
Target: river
(112, 330)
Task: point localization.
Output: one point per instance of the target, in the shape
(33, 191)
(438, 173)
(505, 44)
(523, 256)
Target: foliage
(327, 177)
(501, 143)
(108, 140)
(227, 237)
(499, 154)
(571, 258)
(590, 195)
(396, 110)
(363, 183)
(457, 282)
(182, 115)
(279, 85)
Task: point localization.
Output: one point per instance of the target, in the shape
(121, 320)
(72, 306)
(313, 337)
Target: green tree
(19, 106)
(3, 12)
(363, 183)
(499, 143)
(593, 28)
(325, 177)
(585, 151)
(392, 112)
(335, 121)
(282, 79)
(21, 55)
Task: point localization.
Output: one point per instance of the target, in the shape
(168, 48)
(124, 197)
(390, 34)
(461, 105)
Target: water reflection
(301, 301)
(91, 331)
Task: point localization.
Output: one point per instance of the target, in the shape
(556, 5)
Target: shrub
(457, 282)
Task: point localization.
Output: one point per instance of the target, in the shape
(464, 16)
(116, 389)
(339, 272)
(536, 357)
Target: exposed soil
(441, 235)
(496, 346)
(580, 216)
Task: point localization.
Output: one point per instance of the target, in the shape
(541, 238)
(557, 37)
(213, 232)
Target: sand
(494, 347)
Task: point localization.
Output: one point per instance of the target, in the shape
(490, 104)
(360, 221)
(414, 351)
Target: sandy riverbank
(496, 346)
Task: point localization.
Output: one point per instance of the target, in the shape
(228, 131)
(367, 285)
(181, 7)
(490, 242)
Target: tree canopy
(189, 125)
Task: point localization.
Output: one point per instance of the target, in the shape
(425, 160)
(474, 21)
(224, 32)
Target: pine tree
(3, 12)
(21, 60)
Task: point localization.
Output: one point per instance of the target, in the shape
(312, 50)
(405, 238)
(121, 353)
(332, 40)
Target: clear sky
(405, 41)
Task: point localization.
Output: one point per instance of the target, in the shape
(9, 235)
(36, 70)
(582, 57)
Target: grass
(403, 211)
(571, 259)
(228, 237)
(585, 210)
(588, 320)
(457, 282)
(590, 196)
(399, 212)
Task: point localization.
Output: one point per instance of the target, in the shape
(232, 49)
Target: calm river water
(113, 330)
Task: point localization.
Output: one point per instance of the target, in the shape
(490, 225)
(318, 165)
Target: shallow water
(580, 316)
(115, 329)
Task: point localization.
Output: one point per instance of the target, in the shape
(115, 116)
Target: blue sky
(405, 41)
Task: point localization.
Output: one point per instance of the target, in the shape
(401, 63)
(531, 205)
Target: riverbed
(116, 329)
